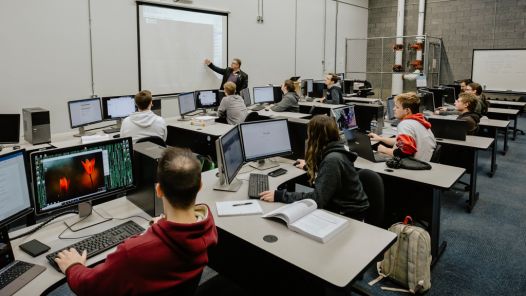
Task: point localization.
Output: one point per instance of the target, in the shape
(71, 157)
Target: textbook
(304, 217)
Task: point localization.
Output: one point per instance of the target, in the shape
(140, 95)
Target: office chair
(154, 139)
(373, 186)
(252, 116)
(187, 288)
(436, 154)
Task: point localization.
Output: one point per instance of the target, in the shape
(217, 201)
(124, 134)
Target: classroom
(262, 147)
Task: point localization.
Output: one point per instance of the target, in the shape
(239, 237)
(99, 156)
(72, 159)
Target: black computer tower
(37, 128)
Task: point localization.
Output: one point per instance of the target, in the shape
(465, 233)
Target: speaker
(37, 129)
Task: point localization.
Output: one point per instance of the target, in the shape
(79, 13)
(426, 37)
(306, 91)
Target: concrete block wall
(463, 25)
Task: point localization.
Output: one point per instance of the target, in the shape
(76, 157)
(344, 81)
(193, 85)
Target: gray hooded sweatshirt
(143, 124)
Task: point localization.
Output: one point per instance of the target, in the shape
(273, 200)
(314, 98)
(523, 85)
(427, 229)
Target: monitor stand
(83, 132)
(232, 187)
(85, 215)
(183, 118)
(114, 129)
(264, 164)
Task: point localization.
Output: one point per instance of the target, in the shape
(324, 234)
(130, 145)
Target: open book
(304, 217)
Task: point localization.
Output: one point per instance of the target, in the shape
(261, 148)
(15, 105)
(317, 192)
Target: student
(466, 104)
(464, 83)
(170, 252)
(143, 123)
(290, 99)
(482, 103)
(330, 167)
(414, 137)
(232, 74)
(334, 90)
(232, 106)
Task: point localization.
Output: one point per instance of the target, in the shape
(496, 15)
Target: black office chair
(373, 186)
(436, 154)
(252, 116)
(154, 139)
(187, 288)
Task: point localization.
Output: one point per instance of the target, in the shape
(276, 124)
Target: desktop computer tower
(37, 129)
(146, 156)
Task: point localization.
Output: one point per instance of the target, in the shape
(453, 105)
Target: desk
(274, 114)
(506, 114)
(362, 100)
(416, 193)
(308, 107)
(509, 104)
(50, 278)
(335, 263)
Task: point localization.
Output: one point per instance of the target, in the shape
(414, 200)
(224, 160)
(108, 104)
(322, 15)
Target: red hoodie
(406, 141)
(164, 256)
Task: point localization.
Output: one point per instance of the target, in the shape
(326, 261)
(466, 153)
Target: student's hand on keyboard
(375, 137)
(69, 257)
(300, 163)
(267, 196)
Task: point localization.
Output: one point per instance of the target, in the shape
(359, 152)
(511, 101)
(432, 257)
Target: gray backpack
(408, 261)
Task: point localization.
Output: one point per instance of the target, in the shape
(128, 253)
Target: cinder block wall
(463, 26)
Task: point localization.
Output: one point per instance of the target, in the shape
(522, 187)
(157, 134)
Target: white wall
(45, 52)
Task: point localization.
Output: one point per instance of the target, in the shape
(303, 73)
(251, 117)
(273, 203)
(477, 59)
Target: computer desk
(274, 114)
(294, 263)
(505, 114)
(507, 104)
(305, 107)
(416, 193)
(50, 278)
(361, 100)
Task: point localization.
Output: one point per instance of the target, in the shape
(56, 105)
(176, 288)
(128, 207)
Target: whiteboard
(500, 69)
(173, 44)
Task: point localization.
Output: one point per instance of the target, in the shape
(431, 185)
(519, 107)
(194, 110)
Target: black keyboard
(257, 108)
(101, 242)
(257, 183)
(13, 272)
(112, 130)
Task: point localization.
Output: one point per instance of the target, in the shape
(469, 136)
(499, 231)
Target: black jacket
(242, 78)
(473, 119)
(334, 95)
(288, 103)
(337, 187)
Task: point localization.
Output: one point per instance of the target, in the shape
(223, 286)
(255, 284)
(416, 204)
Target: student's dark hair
(179, 176)
(476, 87)
(466, 81)
(334, 77)
(143, 99)
(238, 61)
(230, 88)
(469, 99)
(321, 130)
(409, 100)
(289, 85)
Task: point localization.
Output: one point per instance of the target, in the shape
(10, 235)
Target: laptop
(445, 128)
(14, 274)
(361, 144)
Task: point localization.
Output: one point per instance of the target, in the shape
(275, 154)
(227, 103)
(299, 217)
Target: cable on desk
(125, 218)
(43, 224)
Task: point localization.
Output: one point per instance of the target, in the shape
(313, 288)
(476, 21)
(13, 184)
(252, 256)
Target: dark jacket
(337, 187)
(288, 103)
(242, 78)
(166, 255)
(334, 95)
(473, 119)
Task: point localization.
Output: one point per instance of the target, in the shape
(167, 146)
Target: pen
(242, 204)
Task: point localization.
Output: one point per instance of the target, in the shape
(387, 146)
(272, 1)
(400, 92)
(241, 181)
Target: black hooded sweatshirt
(337, 187)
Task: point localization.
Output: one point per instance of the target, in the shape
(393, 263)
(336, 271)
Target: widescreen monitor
(318, 88)
(230, 160)
(68, 176)
(186, 103)
(10, 124)
(390, 108)
(449, 93)
(265, 139)
(15, 199)
(307, 86)
(427, 100)
(84, 112)
(118, 107)
(263, 94)
(206, 99)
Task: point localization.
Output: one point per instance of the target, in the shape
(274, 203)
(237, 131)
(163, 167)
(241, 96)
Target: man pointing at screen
(232, 73)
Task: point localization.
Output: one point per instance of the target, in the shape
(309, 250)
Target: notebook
(361, 144)
(238, 208)
(14, 274)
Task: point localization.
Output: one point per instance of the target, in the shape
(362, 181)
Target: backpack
(408, 261)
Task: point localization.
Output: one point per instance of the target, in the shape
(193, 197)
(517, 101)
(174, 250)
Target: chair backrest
(154, 139)
(252, 116)
(436, 154)
(373, 186)
(187, 288)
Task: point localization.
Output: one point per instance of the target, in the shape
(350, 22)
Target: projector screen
(500, 69)
(173, 43)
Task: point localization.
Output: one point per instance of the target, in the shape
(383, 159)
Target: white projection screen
(173, 43)
(500, 69)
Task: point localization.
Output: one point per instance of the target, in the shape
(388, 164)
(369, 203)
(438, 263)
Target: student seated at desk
(172, 251)
(143, 123)
(330, 167)
(482, 104)
(289, 102)
(414, 136)
(232, 106)
(466, 104)
(334, 90)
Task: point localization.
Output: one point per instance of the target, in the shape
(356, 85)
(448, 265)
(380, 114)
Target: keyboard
(102, 241)
(112, 130)
(257, 183)
(13, 272)
(257, 108)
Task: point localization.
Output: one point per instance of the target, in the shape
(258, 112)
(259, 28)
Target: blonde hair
(321, 131)
(469, 99)
(230, 88)
(409, 100)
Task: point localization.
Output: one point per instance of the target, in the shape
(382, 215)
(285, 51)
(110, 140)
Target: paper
(238, 207)
(94, 138)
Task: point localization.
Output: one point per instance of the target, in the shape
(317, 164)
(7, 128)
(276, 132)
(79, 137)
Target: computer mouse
(296, 163)
(116, 136)
(267, 109)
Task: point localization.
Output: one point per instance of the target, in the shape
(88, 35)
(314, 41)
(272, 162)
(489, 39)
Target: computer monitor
(264, 139)
(456, 87)
(421, 81)
(117, 108)
(318, 88)
(245, 94)
(306, 86)
(366, 113)
(390, 108)
(157, 106)
(15, 199)
(263, 94)
(278, 94)
(341, 76)
(84, 112)
(229, 159)
(69, 176)
(345, 119)
(186, 104)
(427, 100)
(206, 99)
(10, 124)
(449, 94)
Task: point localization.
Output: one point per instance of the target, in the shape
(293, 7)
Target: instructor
(232, 73)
